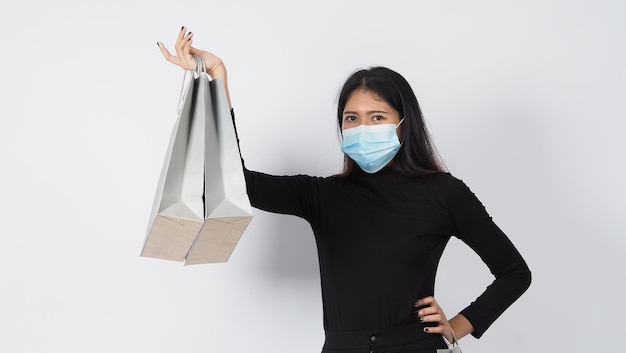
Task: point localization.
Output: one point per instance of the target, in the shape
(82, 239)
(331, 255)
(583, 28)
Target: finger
(168, 56)
(182, 40)
(181, 34)
(186, 45)
(183, 44)
(187, 56)
(425, 301)
(438, 318)
(431, 310)
(435, 329)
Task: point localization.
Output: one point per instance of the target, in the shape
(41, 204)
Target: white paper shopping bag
(201, 207)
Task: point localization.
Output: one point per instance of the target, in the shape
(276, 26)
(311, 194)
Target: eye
(378, 118)
(349, 118)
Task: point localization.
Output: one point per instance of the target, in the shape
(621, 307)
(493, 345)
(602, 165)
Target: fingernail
(425, 329)
(158, 44)
(421, 319)
(181, 28)
(189, 33)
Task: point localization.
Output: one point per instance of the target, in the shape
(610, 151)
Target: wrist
(460, 326)
(219, 71)
(449, 336)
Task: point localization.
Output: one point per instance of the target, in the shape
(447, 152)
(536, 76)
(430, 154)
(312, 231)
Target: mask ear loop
(397, 125)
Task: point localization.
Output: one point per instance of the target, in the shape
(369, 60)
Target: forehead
(363, 99)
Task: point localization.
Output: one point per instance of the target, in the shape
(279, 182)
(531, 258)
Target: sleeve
(294, 195)
(474, 226)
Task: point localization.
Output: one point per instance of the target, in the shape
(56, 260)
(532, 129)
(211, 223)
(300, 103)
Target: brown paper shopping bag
(201, 207)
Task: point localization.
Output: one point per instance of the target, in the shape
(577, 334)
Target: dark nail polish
(421, 319)
(425, 329)
(189, 33)
(181, 28)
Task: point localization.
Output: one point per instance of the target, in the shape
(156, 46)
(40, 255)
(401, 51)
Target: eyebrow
(368, 113)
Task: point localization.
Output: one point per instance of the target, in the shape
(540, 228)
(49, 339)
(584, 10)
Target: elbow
(519, 278)
(523, 278)
(527, 279)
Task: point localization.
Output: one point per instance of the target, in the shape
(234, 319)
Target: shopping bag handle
(200, 65)
(189, 75)
(455, 341)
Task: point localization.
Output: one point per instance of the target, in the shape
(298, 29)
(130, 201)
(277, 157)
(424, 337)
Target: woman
(382, 225)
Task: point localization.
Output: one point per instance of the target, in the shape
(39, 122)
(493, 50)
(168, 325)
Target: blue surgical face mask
(371, 146)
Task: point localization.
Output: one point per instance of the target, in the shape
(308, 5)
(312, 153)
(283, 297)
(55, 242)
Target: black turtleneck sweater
(379, 240)
(380, 237)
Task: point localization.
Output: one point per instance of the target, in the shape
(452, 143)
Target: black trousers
(401, 339)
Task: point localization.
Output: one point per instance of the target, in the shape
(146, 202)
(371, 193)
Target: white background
(525, 100)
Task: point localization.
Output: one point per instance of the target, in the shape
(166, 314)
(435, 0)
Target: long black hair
(417, 155)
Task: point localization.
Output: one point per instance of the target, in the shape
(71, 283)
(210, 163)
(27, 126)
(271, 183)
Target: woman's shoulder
(441, 179)
(445, 184)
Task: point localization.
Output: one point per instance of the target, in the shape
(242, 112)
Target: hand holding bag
(201, 207)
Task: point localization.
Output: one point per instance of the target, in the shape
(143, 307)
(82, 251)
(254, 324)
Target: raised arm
(184, 58)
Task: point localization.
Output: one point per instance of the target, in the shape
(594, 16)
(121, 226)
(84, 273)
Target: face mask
(371, 146)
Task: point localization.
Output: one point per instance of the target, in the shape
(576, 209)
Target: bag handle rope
(189, 75)
(454, 340)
